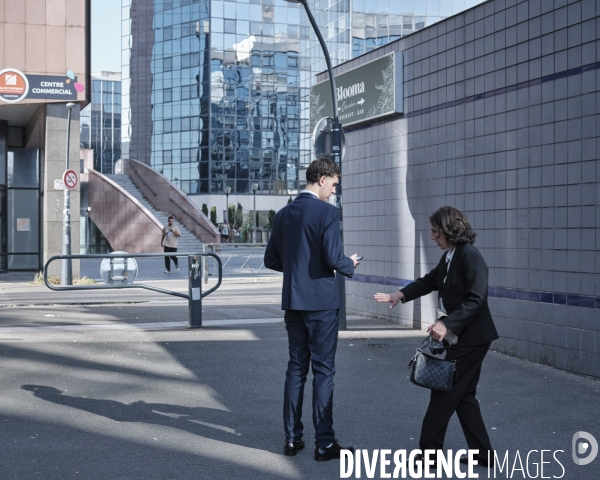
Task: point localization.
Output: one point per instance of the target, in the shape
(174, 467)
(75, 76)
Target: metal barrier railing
(194, 295)
(238, 258)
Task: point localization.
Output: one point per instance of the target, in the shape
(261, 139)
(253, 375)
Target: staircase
(188, 242)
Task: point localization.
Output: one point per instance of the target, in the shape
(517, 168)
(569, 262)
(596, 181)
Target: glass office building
(222, 80)
(100, 121)
(216, 93)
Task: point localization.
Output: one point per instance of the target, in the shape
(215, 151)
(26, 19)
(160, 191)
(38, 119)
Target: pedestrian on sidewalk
(170, 237)
(464, 324)
(306, 246)
(225, 232)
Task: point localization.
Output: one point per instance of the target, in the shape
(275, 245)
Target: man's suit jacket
(306, 246)
(464, 295)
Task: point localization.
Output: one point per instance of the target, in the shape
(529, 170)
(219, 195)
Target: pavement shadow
(204, 422)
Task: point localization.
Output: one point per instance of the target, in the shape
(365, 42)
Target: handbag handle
(429, 340)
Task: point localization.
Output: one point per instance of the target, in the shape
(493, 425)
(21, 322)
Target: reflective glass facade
(100, 123)
(216, 92)
(222, 79)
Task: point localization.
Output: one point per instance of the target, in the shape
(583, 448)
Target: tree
(271, 215)
(213, 215)
(231, 213)
(205, 209)
(239, 215)
(290, 200)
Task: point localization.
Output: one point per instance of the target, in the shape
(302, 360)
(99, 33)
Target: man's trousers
(312, 339)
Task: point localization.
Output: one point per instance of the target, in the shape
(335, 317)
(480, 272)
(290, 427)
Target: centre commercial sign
(364, 93)
(16, 86)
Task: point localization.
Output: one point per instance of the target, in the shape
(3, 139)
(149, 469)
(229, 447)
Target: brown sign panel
(16, 86)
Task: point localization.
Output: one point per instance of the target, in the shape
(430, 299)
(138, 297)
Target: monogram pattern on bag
(432, 373)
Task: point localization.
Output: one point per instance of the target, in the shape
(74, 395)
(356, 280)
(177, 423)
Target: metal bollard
(194, 292)
(205, 264)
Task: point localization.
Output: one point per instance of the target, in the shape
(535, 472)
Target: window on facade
(255, 28)
(167, 95)
(267, 29)
(167, 64)
(293, 31)
(229, 26)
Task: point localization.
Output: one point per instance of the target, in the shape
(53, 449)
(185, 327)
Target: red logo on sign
(70, 179)
(13, 85)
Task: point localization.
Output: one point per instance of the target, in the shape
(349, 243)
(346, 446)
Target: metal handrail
(232, 244)
(142, 179)
(131, 255)
(189, 215)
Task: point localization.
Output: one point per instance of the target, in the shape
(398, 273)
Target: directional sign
(370, 91)
(70, 179)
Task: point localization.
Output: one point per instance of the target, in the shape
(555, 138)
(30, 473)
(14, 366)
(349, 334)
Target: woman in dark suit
(464, 321)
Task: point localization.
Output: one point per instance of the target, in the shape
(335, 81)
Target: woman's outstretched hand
(392, 298)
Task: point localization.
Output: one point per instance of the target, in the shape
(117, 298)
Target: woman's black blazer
(464, 293)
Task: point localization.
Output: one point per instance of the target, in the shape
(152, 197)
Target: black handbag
(431, 372)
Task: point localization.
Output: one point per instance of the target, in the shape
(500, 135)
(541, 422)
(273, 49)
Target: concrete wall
(501, 121)
(166, 197)
(45, 37)
(54, 160)
(126, 223)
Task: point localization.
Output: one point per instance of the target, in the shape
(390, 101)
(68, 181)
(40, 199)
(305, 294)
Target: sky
(106, 35)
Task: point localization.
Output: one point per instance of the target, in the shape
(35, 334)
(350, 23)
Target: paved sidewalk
(120, 389)
(166, 402)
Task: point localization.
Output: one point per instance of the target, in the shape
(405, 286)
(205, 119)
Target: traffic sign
(70, 179)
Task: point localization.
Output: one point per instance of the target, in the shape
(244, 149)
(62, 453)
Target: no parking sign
(70, 179)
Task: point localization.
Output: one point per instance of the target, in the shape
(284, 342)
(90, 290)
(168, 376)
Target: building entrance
(20, 209)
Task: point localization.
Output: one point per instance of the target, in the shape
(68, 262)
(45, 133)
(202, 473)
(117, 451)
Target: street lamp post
(66, 277)
(254, 187)
(227, 192)
(336, 152)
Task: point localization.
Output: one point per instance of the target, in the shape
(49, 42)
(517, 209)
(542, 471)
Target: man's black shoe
(291, 448)
(481, 462)
(418, 459)
(323, 454)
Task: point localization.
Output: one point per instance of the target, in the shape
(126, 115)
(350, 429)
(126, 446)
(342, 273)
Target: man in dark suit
(306, 246)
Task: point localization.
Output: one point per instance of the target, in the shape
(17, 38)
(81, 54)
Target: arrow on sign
(361, 101)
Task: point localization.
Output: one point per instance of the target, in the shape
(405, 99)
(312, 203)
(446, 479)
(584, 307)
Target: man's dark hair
(170, 218)
(453, 224)
(321, 167)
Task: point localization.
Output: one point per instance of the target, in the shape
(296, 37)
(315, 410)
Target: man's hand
(438, 331)
(392, 298)
(356, 262)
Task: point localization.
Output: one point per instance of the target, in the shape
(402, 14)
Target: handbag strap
(427, 343)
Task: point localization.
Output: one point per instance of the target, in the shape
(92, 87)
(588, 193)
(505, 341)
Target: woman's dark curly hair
(453, 224)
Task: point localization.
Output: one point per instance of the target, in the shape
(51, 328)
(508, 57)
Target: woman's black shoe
(291, 448)
(323, 454)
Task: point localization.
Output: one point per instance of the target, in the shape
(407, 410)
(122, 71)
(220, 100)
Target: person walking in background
(170, 237)
(464, 321)
(306, 246)
(225, 232)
